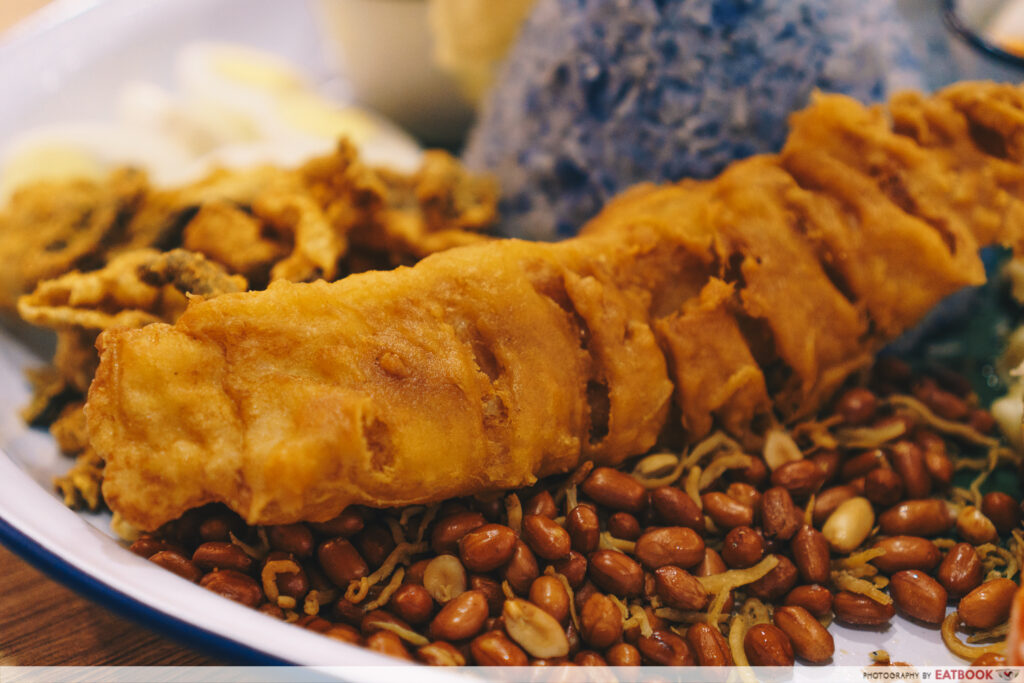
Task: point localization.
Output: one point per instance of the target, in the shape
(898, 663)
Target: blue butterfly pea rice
(600, 94)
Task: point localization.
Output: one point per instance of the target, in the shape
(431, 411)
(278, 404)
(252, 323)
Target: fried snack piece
(294, 222)
(297, 401)
(51, 228)
(332, 216)
(485, 367)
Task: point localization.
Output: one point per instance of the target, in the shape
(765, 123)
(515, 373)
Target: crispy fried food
(485, 367)
(91, 250)
(51, 228)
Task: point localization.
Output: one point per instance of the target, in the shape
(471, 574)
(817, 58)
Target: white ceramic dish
(44, 84)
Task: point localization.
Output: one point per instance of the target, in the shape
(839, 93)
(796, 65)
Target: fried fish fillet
(488, 366)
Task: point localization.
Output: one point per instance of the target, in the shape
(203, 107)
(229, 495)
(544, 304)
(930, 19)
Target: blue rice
(600, 94)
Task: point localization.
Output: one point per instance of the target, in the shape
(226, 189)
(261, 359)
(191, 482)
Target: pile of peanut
(851, 517)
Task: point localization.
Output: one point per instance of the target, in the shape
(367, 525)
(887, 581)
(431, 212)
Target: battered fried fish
(488, 366)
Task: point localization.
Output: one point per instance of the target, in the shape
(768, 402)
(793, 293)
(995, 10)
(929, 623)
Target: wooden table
(42, 623)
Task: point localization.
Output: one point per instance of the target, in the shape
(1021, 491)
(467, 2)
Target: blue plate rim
(108, 597)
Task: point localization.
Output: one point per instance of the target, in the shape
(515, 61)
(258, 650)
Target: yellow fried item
(488, 366)
(50, 228)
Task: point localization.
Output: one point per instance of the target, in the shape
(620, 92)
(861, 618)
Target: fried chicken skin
(484, 367)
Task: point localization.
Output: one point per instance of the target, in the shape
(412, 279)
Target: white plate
(100, 47)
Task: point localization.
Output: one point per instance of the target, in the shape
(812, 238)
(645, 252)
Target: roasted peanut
(742, 547)
(218, 555)
(974, 527)
(522, 569)
(677, 545)
(495, 649)
(936, 459)
(388, 643)
(908, 459)
(624, 525)
(146, 546)
(341, 562)
(711, 563)
(617, 573)
(811, 555)
(488, 547)
(709, 645)
(440, 653)
(589, 658)
(860, 610)
(725, 512)
(1002, 509)
(665, 648)
(574, 568)
(906, 552)
(883, 486)
(745, 494)
(545, 537)
(809, 638)
(828, 462)
(960, 571)
(755, 474)
(374, 543)
(814, 598)
(616, 490)
(177, 563)
(674, 507)
(623, 654)
(826, 502)
(859, 465)
(857, 406)
(415, 571)
(534, 630)
(344, 633)
(800, 477)
(542, 504)
(943, 403)
(412, 603)
(987, 605)
(349, 523)
(287, 574)
(918, 595)
(234, 585)
(220, 526)
(776, 583)
(461, 618)
(849, 525)
(444, 578)
(444, 539)
(600, 621)
(549, 594)
(928, 517)
(768, 645)
(678, 588)
(584, 528)
(314, 623)
(780, 517)
(296, 539)
(491, 590)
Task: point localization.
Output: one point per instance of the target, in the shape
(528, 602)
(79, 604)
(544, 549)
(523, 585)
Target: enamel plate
(79, 81)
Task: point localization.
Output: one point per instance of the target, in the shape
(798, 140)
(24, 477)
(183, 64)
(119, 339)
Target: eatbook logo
(1006, 674)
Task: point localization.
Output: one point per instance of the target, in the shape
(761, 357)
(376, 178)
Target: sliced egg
(266, 99)
(86, 150)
